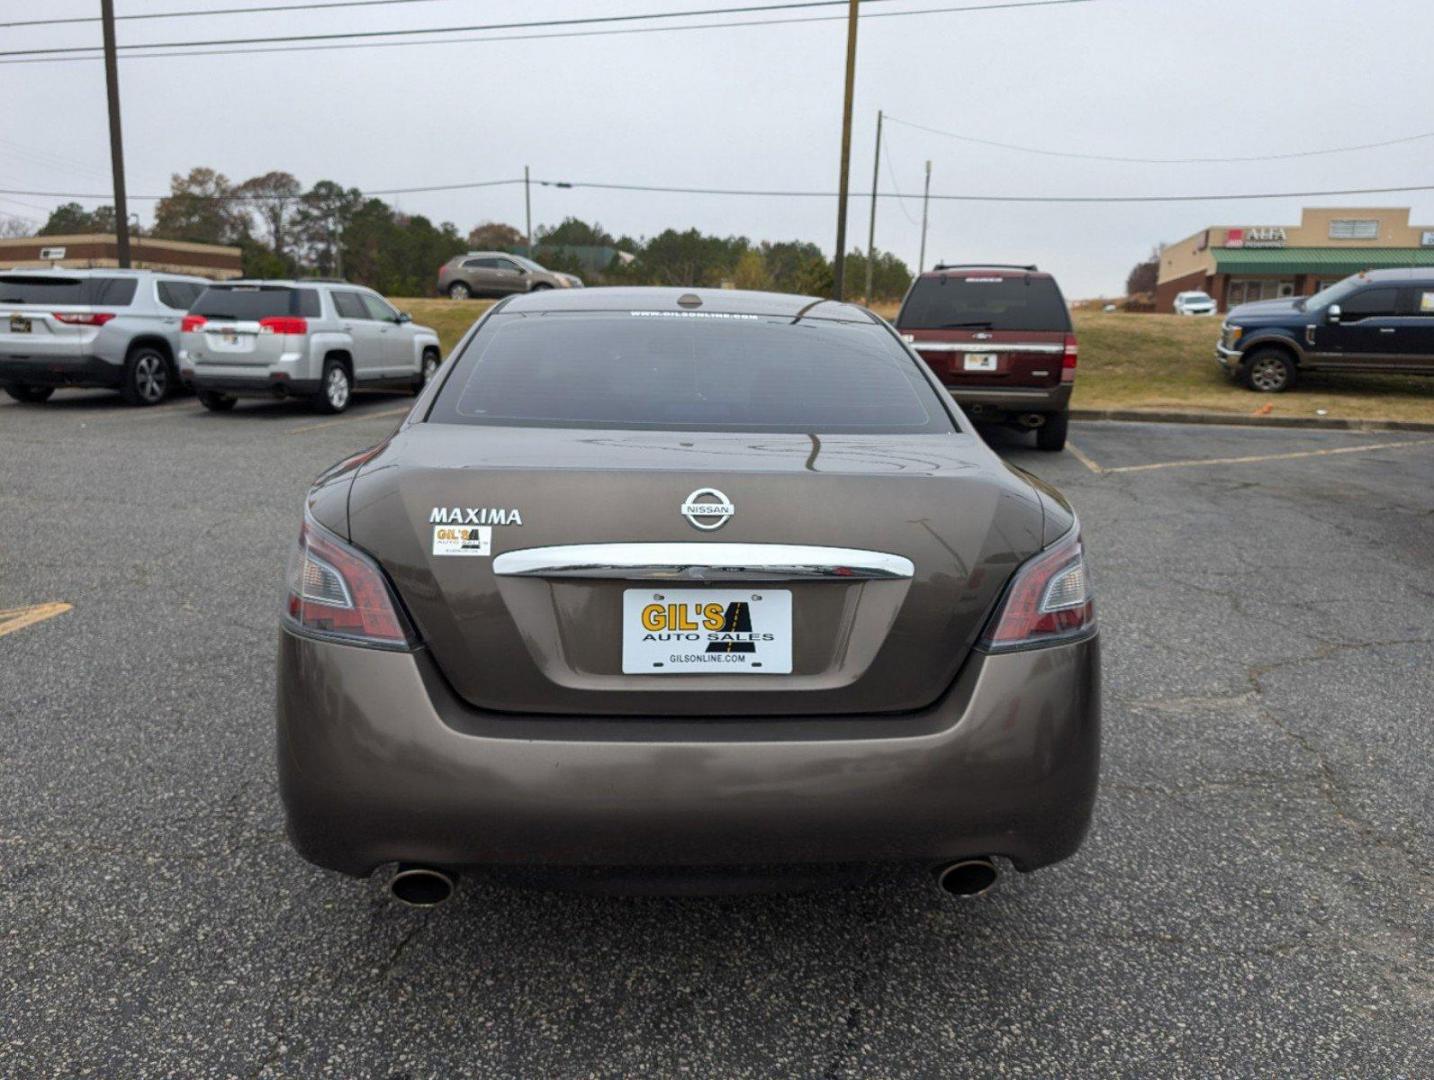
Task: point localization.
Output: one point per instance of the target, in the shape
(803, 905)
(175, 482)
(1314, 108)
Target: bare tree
(272, 199)
(13, 227)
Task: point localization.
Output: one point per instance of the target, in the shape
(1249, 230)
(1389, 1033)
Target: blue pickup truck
(1376, 321)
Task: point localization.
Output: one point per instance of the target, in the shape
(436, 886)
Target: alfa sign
(1260, 236)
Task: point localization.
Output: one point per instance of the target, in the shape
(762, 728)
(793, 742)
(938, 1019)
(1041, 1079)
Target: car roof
(291, 283)
(97, 271)
(1397, 274)
(985, 270)
(710, 302)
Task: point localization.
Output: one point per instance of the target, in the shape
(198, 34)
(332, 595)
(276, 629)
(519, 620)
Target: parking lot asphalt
(1254, 899)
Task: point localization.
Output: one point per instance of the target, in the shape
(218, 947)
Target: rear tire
(1269, 371)
(147, 376)
(459, 291)
(1052, 434)
(335, 389)
(30, 395)
(215, 401)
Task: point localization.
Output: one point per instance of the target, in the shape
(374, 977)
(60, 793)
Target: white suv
(315, 340)
(111, 328)
(1194, 303)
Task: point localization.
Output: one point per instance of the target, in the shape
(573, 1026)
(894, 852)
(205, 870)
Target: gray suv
(498, 274)
(110, 328)
(315, 340)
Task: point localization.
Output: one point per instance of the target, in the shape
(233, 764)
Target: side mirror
(1332, 313)
(404, 317)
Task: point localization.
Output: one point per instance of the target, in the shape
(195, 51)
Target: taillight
(337, 591)
(1049, 600)
(283, 324)
(190, 323)
(1068, 359)
(74, 318)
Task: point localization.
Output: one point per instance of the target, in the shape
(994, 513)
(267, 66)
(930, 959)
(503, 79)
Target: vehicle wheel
(540, 286)
(31, 395)
(1269, 372)
(147, 378)
(459, 291)
(429, 369)
(1052, 434)
(336, 388)
(216, 402)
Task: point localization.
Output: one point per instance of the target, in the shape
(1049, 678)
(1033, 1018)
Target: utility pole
(107, 17)
(528, 209)
(871, 228)
(839, 276)
(925, 202)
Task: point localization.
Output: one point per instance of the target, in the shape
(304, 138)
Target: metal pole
(839, 277)
(107, 17)
(528, 209)
(871, 228)
(925, 202)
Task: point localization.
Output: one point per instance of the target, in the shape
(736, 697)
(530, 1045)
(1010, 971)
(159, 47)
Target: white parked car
(314, 340)
(1194, 303)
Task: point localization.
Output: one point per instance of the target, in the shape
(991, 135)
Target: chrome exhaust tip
(967, 878)
(421, 886)
(1032, 420)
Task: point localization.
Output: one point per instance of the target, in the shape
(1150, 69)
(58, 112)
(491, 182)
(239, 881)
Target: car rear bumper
(380, 762)
(58, 370)
(1015, 399)
(254, 385)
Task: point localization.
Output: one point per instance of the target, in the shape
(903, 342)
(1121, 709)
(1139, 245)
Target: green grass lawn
(1157, 362)
(1168, 362)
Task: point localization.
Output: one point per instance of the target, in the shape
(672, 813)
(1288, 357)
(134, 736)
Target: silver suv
(109, 328)
(308, 339)
(498, 274)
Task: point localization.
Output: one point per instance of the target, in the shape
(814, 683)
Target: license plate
(706, 631)
(981, 361)
(231, 337)
(19, 324)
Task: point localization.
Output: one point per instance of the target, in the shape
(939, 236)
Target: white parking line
(1084, 458)
(351, 418)
(1290, 456)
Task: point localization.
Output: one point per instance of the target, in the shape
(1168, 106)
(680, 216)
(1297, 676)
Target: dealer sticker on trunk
(706, 631)
(462, 539)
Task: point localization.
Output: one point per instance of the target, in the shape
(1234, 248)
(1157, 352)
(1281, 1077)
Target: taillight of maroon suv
(1000, 338)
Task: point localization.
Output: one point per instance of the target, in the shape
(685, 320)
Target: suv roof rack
(987, 266)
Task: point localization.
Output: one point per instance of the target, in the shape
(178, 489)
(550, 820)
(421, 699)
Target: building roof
(1345, 260)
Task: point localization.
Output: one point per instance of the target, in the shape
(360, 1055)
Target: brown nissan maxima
(680, 590)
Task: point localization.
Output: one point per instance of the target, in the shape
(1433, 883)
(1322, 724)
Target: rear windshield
(689, 371)
(984, 302)
(248, 303)
(43, 289)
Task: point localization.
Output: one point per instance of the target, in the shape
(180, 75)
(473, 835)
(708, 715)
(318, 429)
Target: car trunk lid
(919, 535)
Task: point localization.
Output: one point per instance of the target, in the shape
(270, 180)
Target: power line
(1160, 161)
(891, 174)
(797, 194)
(189, 49)
(214, 11)
(585, 20)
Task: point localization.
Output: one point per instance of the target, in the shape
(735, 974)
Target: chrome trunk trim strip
(703, 562)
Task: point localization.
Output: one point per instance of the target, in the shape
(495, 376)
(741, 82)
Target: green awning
(1311, 260)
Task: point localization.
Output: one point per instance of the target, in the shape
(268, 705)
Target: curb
(1153, 416)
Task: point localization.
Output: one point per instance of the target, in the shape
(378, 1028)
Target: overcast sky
(760, 107)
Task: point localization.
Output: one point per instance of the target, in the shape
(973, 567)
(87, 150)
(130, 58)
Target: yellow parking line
(18, 618)
(1084, 458)
(348, 419)
(1269, 457)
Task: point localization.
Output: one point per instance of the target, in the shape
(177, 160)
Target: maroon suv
(1001, 340)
